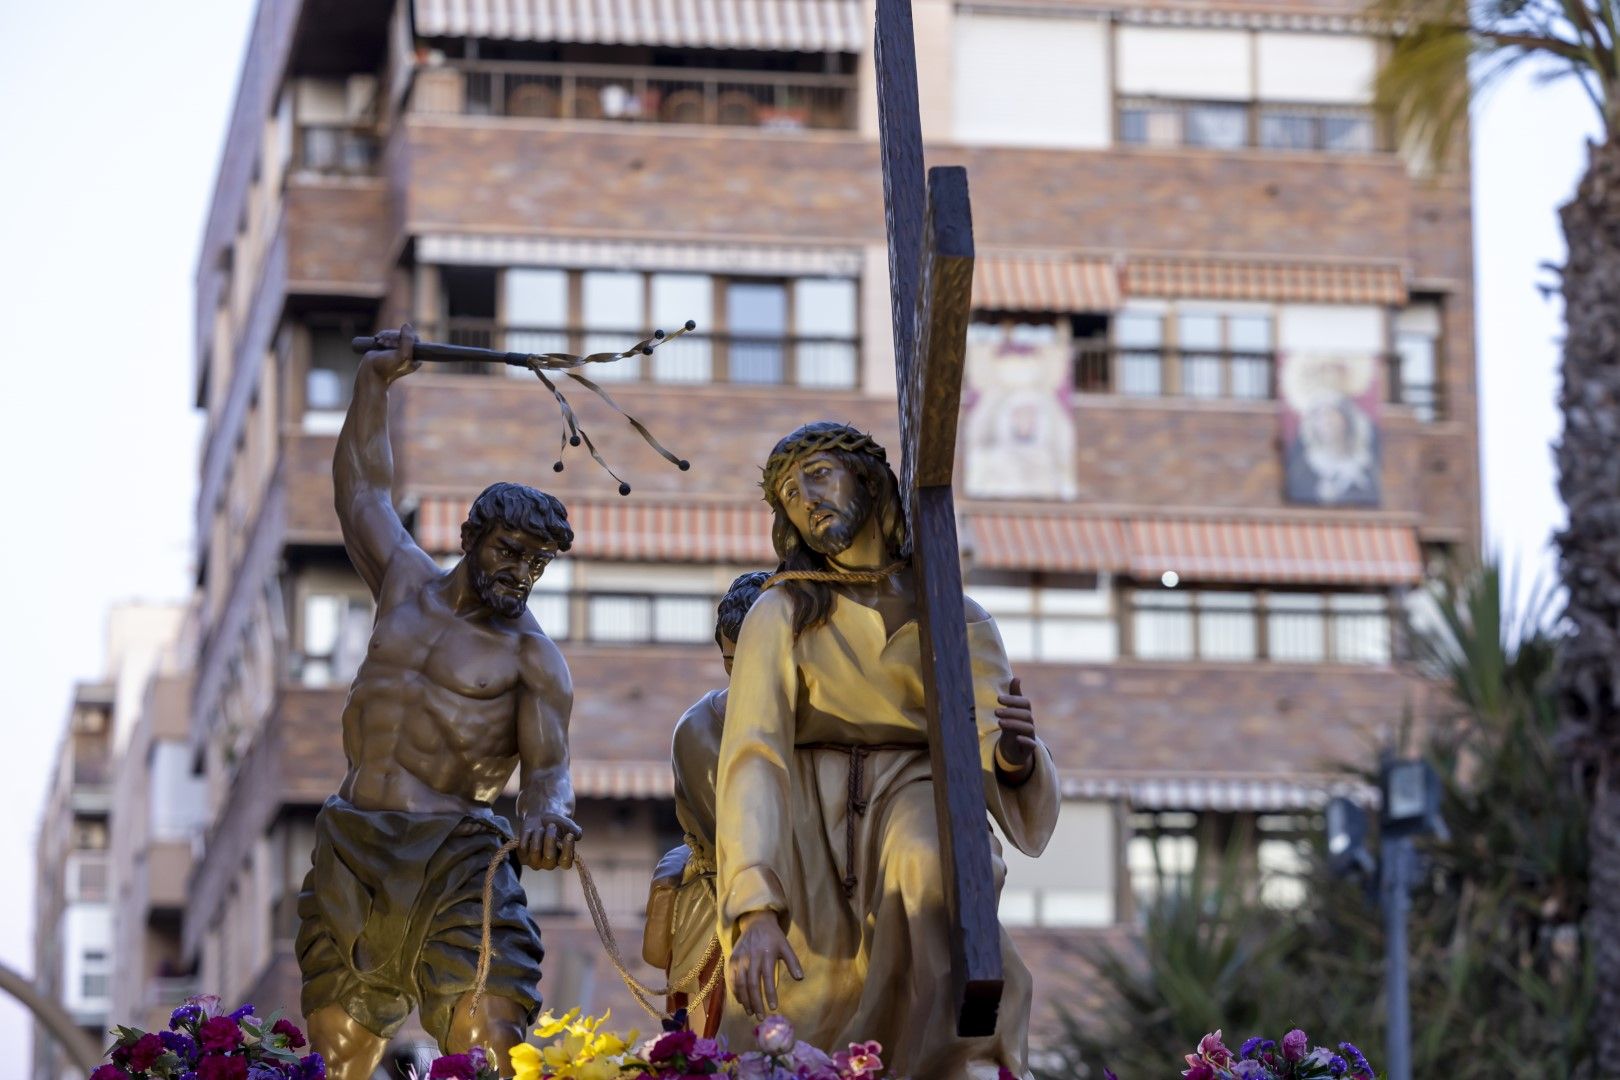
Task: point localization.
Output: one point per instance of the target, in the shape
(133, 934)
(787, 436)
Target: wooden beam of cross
(930, 280)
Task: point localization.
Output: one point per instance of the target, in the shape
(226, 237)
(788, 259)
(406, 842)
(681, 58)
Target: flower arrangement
(1263, 1059)
(585, 1052)
(202, 1043)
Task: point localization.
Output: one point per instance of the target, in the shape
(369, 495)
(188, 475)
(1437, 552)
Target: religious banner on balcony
(1019, 440)
(1332, 446)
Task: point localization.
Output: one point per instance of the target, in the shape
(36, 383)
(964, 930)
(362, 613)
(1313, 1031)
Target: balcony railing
(1232, 375)
(779, 101)
(823, 363)
(1230, 125)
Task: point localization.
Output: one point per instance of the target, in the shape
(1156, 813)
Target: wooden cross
(930, 279)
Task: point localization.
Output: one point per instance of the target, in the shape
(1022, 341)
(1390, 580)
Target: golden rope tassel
(645, 995)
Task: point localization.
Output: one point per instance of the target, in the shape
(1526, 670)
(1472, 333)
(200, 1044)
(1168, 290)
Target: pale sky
(111, 119)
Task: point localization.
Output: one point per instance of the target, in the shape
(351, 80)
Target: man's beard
(508, 604)
(846, 524)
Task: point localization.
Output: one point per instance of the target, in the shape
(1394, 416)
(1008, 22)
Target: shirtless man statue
(458, 685)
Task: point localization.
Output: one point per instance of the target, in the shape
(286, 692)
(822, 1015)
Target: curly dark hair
(861, 455)
(517, 506)
(734, 606)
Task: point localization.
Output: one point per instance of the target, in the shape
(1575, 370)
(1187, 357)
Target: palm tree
(1423, 87)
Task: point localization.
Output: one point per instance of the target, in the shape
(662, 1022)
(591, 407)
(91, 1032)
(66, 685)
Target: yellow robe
(876, 963)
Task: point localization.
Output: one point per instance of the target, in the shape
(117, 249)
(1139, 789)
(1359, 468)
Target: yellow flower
(551, 1025)
(525, 1062)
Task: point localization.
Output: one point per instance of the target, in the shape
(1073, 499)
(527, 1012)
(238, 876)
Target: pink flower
(145, 1052)
(1212, 1050)
(109, 1072)
(453, 1067)
(1201, 1070)
(774, 1035)
(675, 1042)
(1294, 1045)
(860, 1061)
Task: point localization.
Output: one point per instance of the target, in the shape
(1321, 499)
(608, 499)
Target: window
(1283, 857)
(1140, 338)
(1227, 625)
(1059, 622)
(824, 322)
(95, 975)
(676, 298)
(336, 629)
(536, 313)
(756, 319)
(548, 602)
(92, 880)
(1417, 355)
(329, 383)
(615, 318)
(1161, 854)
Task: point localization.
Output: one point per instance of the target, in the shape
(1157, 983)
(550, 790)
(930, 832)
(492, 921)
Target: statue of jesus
(828, 849)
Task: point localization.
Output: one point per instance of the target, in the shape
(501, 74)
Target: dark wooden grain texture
(930, 278)
(900, 151)
(943, 307)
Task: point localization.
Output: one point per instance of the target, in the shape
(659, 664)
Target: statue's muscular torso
(431, 720)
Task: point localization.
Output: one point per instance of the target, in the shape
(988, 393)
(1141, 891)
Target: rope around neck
(646, 996)
(837, 577)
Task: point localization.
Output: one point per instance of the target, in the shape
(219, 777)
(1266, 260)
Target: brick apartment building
(1220, 412)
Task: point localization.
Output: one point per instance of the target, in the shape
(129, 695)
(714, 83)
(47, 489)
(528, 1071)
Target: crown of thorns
(809, 439)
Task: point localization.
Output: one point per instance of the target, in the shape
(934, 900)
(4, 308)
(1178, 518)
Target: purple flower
(1293, 1046)
(860, 1062)
(453, 1067)
(145, 1051)
(312, 1067)
(675, 1042)
(808, 1059)
(1358, 1061)
(1212, 1050)
(708, 1050)
(295, 1038)
(184, 1016)
(245, 1010)
(1250, 1047)
(1200, 1070)
(1337, 1065)
(219, 1033)
(1108, 1074)
(109, 1072)
(263, 1071)
(181, 1046)
(1250, 1070)
(207, 1003)
(774, 1035)
(222, 1068)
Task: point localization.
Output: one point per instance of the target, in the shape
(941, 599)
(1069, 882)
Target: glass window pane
(536, 299)
(627, 369)
(1251, 376)
(1133, 125)
(675, 299)
(1296, 627)
(620, 618)
(1227, 626)
(1361, 631)
(826, 364)
(683, 618)
(332, 367)
(1199, 331)
(322, 614)
(1162, 626)
(1347, 134)
(1001, 600)
(613, 301)
(1220, 126)
(1139, 330)
(1249, 333)
(1017, 636)
(756, 307)
(1201, 374)
(824, 307)
(1076, 640)
(1017, 907)
(1287, 131)
(550, 610)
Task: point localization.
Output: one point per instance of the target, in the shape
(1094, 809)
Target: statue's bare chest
(425, 639)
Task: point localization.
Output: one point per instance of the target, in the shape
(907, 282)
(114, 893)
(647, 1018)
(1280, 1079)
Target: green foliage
(1500, 979)
(1443, 45)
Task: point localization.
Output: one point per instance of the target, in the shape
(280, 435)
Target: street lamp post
(1410, 809)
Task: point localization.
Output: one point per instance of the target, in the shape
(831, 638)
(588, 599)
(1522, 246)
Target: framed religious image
(1332, 445)
(1019, 417)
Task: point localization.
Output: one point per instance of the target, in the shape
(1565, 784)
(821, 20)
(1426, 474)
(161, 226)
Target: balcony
(1232, 125)
(772, 101)
(336, 150)
(821, 363)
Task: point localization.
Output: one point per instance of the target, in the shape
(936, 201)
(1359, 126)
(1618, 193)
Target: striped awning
(1044, 283)
(585, 253)
(632, 529)
(1315, 552)
(1064, 544)
(600, 779)
(1198, 550)
(1297, 282)
(1233, 792)
(780, 25)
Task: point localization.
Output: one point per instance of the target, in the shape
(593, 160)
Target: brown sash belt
(857, 792)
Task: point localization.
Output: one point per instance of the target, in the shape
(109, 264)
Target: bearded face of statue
(504, 565)
(827, 502)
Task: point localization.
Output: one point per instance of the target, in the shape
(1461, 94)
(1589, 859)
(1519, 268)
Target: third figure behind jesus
(828, 849)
